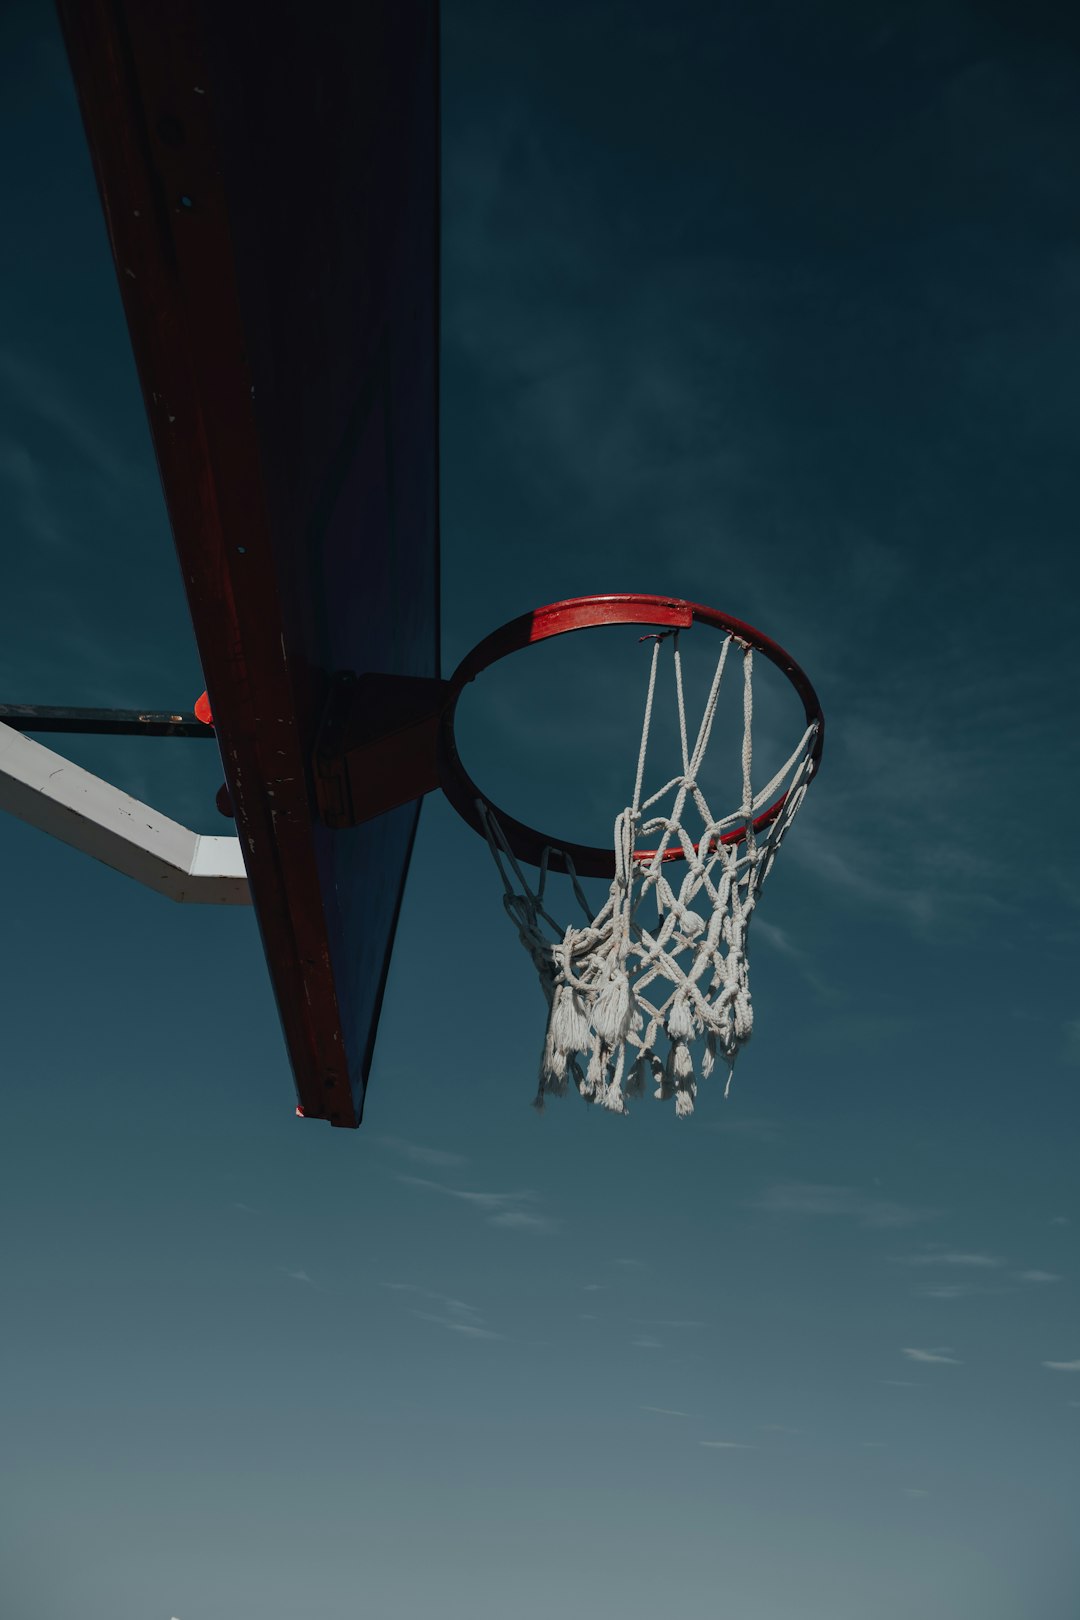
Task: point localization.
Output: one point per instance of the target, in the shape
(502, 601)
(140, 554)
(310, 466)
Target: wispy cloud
(455, 1315)
(508, 1210)
(893, 860)
(50, 400)
(1063, 1366)
(802, 1198)
(298, 1276)
(857, 872)
(943, 1355)
(667, 1321)
(781, 941)
(973, 1263)
(664, 1411)
(952, 1257)
(524, 1220)
(963, 1260)
(460, 1325)
(725, 1445)
(416, 1153)
(646, 1343)
(956, 1291)
(20, 470)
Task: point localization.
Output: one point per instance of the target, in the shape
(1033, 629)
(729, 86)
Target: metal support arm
(101, 722)
(50, 793)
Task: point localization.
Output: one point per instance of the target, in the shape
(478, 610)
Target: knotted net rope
(654, 989)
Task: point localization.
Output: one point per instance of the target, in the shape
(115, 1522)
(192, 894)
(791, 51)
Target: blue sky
(774, 308)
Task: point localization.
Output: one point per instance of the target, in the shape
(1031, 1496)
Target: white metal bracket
(50, 793)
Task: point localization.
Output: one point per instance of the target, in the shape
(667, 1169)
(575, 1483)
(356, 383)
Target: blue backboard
(270, 182)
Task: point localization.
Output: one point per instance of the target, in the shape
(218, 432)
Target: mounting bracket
(377, 746)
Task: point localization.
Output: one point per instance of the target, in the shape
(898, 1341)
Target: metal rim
(591, 613)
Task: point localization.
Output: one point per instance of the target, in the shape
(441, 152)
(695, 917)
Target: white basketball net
(655, 987)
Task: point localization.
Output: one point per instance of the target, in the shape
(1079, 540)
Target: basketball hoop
(628, 982)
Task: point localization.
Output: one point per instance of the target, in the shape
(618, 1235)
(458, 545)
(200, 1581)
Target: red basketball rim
(591, 613)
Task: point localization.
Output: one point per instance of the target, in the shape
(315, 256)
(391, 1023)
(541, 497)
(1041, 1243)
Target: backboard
(270, 183)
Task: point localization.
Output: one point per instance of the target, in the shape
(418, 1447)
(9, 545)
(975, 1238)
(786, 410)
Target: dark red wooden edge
(590, 613)
(140, 71)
